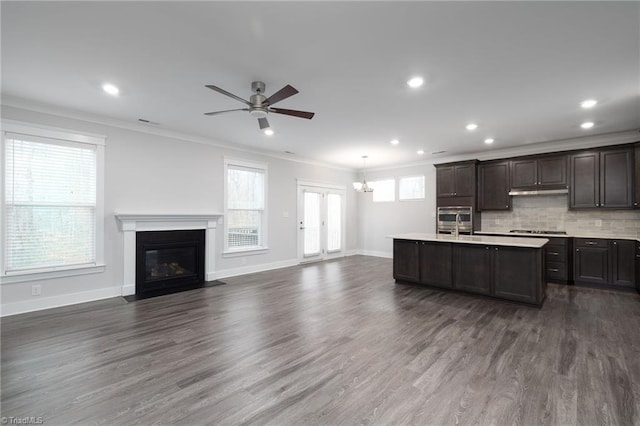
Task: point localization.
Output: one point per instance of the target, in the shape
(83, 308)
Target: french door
(321, 230)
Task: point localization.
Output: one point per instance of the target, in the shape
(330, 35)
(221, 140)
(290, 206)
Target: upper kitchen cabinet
(539, 173)
(636, 203)
(493, 186)
(456, 183)
(601, 179)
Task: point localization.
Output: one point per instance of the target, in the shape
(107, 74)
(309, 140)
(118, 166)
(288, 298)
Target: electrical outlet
(36, 290)
(285, 214)
(598, 223)
(497, 221)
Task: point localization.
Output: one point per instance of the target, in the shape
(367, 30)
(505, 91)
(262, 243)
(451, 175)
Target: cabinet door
(517, 274)
(638, 266)
(623, 262)
(435, 264)
(616, 178)
(493, 186)
(636, 203)
(465, 180)
(591, 264)
(405, 260)
(524, 174)
(445, 181)
(552, 173)
(472, 268)
(585, 178)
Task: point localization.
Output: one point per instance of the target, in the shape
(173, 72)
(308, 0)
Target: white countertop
(606, 237)
(474, 239)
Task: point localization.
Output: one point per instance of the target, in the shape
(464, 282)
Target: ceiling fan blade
(231, 95)
(293, 112)
(264, 124)
(281, 94)
(227, 110)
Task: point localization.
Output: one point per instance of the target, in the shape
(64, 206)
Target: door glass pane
(311, 223)
(334, 222)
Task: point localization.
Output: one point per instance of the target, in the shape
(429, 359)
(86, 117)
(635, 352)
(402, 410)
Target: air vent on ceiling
(438, 152)
(145, 121)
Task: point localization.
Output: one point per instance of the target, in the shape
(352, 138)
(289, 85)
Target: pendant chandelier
(363, 187)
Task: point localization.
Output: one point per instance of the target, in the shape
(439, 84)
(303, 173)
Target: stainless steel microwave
(448, 216)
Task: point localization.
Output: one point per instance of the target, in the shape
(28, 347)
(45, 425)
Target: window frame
(373, 183)
(47, 132)
(263, 247)
(424, 187)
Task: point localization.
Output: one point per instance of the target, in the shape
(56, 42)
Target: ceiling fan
(259, 105)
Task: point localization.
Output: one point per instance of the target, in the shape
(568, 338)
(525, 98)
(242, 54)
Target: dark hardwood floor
(328, 343)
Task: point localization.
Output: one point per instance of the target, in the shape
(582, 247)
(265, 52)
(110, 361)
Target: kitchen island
(502, 267)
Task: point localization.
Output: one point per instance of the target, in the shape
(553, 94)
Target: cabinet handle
(552, 270)
(590, 243)
(496, 248)
(507, 206)
(577, 249)
(552, 253)
(615, 243)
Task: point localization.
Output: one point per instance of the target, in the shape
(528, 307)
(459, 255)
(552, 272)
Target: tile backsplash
(551, 213)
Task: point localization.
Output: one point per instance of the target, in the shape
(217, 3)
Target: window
(245, 217)
(52, 202)
(384, 190)
(411, 188)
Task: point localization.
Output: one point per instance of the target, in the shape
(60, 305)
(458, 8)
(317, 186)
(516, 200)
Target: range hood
(539, 192)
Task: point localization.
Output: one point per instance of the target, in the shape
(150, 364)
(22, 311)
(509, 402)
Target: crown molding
(585, 142)
(43, 108)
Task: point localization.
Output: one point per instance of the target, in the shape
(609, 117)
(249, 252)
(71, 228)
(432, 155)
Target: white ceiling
(518, 69)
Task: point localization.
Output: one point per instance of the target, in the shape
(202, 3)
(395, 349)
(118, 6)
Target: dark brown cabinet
(601, 261)
(456, 179)
(591, 262)
(493, 186)
(472, 268)
(539, 173)
(638, 266)
(435, 264)
(601, 179)
(558, 260)
(405, 260)
(623, 257)
(516, 272)
(636, 202)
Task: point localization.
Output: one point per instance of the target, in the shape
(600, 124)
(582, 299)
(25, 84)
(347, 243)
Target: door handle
(302, 227)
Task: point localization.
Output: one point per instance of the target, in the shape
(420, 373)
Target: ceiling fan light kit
(259, 106)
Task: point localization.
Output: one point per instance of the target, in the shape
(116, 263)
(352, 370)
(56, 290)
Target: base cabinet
(472, 268)
(511, 273)
(608, 262)
(406, 260)
(435, 264)
(516, 274)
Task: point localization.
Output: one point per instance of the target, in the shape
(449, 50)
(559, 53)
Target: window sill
(245, 252)
(35, 276)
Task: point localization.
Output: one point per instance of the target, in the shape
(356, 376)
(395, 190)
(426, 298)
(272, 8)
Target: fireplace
(168, 261)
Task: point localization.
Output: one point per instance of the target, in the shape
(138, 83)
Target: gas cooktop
(530, 231)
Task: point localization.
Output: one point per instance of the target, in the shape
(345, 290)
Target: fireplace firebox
(169, 261)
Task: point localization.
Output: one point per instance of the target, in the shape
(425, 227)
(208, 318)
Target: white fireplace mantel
(129, 224)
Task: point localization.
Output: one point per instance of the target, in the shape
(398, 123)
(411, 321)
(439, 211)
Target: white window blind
(245, 207)
(384, 190)
(50, 203)
(411, 188)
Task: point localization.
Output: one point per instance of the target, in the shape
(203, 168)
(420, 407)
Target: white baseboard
(352, 252)
(38, 304)
(385, 254)
(233, 272)
(128, 290)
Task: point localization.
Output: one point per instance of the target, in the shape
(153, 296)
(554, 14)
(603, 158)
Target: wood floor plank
(329, 343)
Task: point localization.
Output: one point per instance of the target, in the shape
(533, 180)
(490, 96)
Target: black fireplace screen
(169, 260)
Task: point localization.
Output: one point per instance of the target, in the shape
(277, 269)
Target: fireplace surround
(132, 224)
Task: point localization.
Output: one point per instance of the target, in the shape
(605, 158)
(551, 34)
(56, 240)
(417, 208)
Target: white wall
(146, 173)
(379, 219)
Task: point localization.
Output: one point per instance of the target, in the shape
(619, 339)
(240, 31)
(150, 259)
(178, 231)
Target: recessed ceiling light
(587, 125)
(471, 126)
(589, 103)
(420, 152)
(394, 142)
(110, 89)
(268, 132)
(488, 141)
(415, 82)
